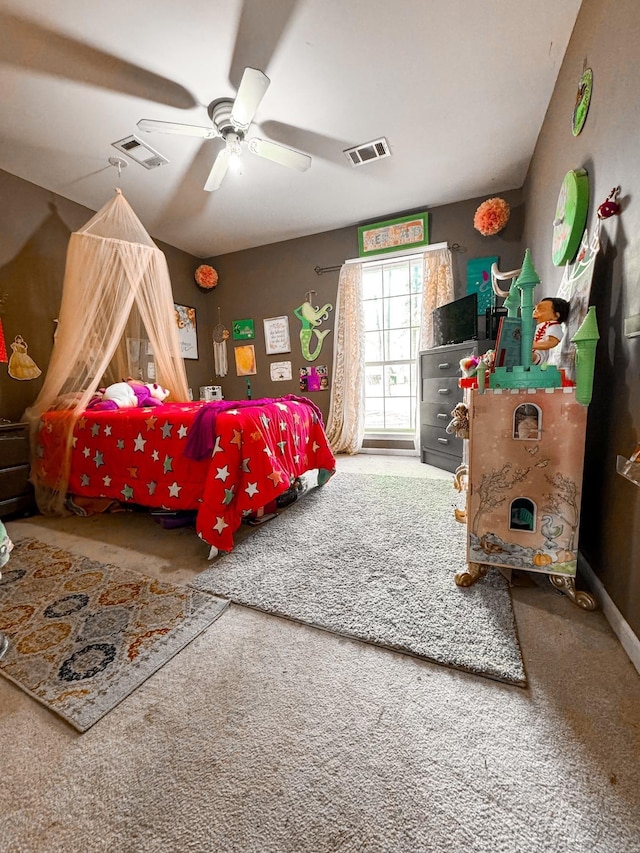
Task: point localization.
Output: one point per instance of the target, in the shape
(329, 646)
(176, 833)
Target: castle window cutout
(522, 515)
(527, 422)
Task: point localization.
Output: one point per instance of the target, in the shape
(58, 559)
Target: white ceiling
(458, 88)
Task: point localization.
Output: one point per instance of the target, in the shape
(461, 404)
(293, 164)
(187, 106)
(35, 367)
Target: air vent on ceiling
(140, 152)
(361, 154)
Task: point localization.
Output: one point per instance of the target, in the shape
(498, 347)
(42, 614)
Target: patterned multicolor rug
(84, 635)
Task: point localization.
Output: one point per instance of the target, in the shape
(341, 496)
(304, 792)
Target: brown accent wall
(606, 38)
(271, 281)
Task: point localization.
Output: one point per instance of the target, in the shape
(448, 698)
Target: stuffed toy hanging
(459, 425)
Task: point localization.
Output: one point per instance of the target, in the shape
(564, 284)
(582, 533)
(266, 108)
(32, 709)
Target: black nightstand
(16, 492)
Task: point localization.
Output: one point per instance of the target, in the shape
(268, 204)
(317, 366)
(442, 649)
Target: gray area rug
(84, 635)
(373, 558)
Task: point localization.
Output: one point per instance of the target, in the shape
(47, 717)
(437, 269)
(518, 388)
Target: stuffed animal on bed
(129, 395)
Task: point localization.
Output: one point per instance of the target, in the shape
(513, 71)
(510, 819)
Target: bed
(222, 461)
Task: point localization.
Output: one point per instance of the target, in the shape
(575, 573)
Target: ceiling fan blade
(218, 171)
(279, 154)
(250, 92)
(260, 30)
(152, 126)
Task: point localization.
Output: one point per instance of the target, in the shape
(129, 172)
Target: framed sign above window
(406, 232)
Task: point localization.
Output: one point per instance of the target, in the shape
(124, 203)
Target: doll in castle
(550, 313)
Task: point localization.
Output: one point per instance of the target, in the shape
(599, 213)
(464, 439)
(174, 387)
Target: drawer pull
(444, 366)
(444, 390)
(443, 416)
(443, 440)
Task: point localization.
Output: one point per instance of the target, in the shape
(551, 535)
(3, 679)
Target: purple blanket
(201, 440)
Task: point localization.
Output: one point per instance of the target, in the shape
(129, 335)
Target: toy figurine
(549, 314)
(459, 425)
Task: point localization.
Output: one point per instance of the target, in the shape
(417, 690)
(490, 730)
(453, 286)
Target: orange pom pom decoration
(491, 216)
(206, 277)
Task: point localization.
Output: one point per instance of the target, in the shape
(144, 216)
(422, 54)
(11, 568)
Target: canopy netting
(117, 321)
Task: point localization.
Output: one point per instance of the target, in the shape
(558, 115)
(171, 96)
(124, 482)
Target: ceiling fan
(231, 119)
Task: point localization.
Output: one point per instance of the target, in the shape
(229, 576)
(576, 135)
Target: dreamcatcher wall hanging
(220, 338)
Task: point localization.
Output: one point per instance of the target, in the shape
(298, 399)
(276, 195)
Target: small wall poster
(315, 378)
(186, 321)
(243, 330)
(479, 280)
(280, 371)
(276, 335)
(245, 360)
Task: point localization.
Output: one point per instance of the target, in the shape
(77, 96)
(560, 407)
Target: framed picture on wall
(243, 330)
(406, 232)
(186, 321)
(245, 357)
(276, 335)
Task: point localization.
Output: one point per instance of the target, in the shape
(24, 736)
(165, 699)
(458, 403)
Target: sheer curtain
(345, 425)
(437, 289)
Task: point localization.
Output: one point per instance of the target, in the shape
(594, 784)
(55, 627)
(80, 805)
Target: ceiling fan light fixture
(233, 151)
(231, 119)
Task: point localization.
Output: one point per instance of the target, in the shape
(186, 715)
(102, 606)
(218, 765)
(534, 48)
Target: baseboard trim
(388, 451)
(628, 640)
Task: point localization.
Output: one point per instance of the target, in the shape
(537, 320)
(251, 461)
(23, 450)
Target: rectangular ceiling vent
(140, 152)
(368, 152)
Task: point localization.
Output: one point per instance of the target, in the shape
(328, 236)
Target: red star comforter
(136, 456)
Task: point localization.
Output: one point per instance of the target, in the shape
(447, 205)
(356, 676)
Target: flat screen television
(456, 321)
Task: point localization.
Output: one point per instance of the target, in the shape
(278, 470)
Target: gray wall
(606, 37)
(272, 280)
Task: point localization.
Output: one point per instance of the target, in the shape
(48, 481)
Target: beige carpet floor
(270, 736)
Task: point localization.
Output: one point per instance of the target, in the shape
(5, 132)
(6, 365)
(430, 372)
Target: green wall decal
(310, 318)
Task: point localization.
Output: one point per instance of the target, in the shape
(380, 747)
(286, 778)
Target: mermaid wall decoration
(311, 318)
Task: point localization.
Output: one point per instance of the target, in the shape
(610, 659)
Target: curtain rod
(401, 253)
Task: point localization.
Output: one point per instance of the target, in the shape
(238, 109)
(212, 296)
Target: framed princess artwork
(187, 334)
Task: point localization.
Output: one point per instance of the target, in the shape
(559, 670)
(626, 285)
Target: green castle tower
(585, 340)
(526, 283)
(525, 374)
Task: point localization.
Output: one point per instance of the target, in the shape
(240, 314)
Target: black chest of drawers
(439, 393)
(16, 492)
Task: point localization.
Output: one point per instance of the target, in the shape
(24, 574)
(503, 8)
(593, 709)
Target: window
(392, 296)
(527, 422)
(522, 515)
